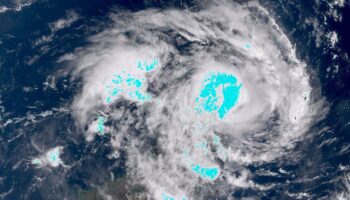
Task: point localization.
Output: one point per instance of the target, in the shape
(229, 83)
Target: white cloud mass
(275, 108)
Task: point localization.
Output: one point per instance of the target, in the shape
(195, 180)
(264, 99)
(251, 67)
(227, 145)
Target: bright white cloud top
(51, 158)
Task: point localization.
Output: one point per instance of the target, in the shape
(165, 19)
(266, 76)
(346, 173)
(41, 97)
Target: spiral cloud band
(194, 96)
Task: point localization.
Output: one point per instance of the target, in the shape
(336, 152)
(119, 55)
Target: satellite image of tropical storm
(174, 100)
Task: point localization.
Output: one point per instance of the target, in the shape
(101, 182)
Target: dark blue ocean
(320, 162)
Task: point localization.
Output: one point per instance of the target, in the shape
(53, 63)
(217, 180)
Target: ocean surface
(104, 99)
